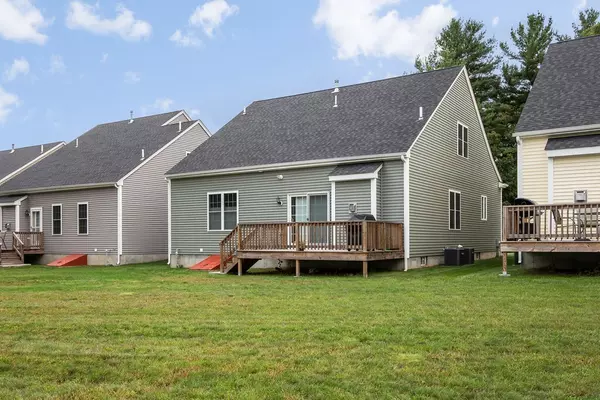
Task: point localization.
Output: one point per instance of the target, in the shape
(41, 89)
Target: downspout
(119, 186)
(169, 218)
(406, 160)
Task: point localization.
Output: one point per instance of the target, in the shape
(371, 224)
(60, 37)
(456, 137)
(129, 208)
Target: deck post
(504, 265)
(240, 261)
(297, 268)
(366, 269)
(222, 253)
(239, 237)
(364, 235)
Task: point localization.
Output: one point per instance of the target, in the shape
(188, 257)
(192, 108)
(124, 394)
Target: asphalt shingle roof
(105, 154)
(373, 118)
(10, 162)
(354, 169)
(9, 199)
(565, 92)
(573, 142)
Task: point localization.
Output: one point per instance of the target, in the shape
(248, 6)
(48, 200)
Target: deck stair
(10, 258)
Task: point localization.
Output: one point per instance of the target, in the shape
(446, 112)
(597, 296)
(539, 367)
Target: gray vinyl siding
(8, 217)
(435, 168)
(258, 193)
(352, 192)
(102, 224)
(23, 220)
(391, 178)
(145, 202)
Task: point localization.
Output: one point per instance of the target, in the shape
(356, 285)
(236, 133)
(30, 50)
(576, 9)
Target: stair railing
(19, 246)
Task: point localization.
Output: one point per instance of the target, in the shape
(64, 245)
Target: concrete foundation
(561, 261)
(101, 258)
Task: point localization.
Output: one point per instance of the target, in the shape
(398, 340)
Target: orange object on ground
(74, 260)
(208, 264)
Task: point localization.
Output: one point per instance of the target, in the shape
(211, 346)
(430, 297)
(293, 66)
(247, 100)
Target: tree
(466, 43)
(588, 25)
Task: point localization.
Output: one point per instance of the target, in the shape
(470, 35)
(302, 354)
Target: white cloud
(85, 17)
(495, 21)
(132, 77)
(104, 58)
(212, 14)
(8, 102)
(160, 105)
(20, 66)
(57, 65)
(21, 21)
(194, 112)
(579, 6)
(367, 77)
(371, 28)
(185, 40)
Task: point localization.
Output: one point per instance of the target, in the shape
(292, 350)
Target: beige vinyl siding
(8, 217)
(102, 223)
(358, 192)
(145, 203)
(576, 173)
(534, 172)
(435, 168)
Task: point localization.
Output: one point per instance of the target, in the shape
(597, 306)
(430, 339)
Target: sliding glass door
(309, 208)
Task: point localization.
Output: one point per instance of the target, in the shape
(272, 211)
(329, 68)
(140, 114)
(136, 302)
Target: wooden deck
(362, 241)
(24, 243)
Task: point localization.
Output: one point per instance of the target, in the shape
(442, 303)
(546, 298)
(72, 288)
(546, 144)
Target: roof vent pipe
(420, 113)
(179, 126)
(13, 149)
(41, 149)
(143, 154)
(335, 92)
(76, 142)
(244, 112)
(131, 117)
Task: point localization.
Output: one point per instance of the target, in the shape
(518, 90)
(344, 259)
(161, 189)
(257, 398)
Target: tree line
(502, 74)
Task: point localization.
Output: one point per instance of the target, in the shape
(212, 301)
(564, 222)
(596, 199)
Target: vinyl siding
(23, 220)
(8, 217)
(391, 179)
(576, 173)
(102, 210)
(435, 168)
(352, 192)
(534, 169)
(145, 203)
(258, 193)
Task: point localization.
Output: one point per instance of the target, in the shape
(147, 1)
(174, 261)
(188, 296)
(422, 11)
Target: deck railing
(546, 222)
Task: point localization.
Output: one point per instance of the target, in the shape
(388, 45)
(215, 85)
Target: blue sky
(66, 66)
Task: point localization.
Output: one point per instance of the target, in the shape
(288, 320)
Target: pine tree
(588, 25)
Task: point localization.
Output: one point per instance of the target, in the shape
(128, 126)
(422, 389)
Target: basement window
(462, 141)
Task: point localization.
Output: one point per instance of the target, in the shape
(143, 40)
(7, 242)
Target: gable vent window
(454, 207)
(57, 219)
(463, 141)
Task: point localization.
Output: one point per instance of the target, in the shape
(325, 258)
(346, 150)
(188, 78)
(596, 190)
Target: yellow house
(557, 215)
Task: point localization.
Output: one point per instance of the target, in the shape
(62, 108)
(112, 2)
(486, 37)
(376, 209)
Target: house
(282, 179)
(558, 152)
(104, 194)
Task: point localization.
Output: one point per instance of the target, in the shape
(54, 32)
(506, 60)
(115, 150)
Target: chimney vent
(420, 113)
(13, 149)
(143, 155)
(131, 117)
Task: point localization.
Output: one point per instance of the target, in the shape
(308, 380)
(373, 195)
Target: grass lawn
(153, 332)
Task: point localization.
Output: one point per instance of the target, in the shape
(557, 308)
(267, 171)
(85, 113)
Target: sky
(66, 66)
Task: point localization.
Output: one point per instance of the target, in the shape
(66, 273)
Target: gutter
(406, 193)
(119, 187)
(58, 188)
(559, 131)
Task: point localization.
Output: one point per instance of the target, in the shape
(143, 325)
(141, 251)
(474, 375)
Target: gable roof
(13, 161)
(374, 118)
(104, 154)
(565, 91)
(573, 142)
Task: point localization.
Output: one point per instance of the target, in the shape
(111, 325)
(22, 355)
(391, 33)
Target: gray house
(104, 194)
(286, 175)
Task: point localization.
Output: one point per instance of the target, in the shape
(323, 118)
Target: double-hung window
(83, 224)
(222, 211)
(484, 208)
(57, 219)
(462, 141)
(454, 206)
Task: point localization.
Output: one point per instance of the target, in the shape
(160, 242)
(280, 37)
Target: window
(57, 219)
(222, 211)
(454, 209)
(484, 207)
(82, 219)
(463, 141)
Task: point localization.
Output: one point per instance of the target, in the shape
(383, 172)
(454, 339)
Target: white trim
(450, 192)
(18, 217)
(59, 188)
(222, 193)
(41, 210)
(30, 163)
(519, 167)
(374, 197)
(290, 165)
(465, 143)
(484, 208)
(307, 195)
(582, 151)
(147, 160)
(179, 114)
(485, 139)
(559, 131)
(119, 221)
(169, 219)
(406, 193)
(87, 219)
(61, 219)
(14, 203)
(355, 177)
(333, 205)
(550, 180)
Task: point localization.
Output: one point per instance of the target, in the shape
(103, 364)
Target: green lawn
(154, 332)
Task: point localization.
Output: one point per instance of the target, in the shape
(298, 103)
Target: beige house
(558, 152)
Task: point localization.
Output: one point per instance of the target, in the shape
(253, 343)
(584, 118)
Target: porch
(361, 241)
(23, 243)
